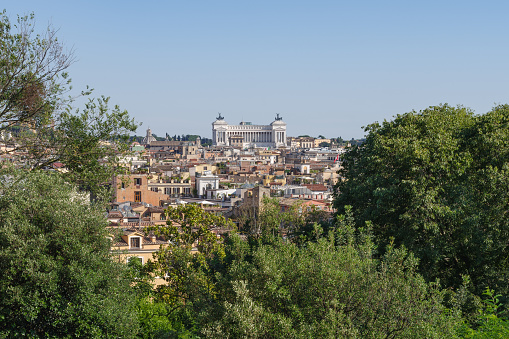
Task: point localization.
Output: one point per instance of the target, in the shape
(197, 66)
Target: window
(135, 242)
(137, 181)
(137, 196)
(162, 216)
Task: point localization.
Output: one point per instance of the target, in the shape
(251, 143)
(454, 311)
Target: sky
(327, 67)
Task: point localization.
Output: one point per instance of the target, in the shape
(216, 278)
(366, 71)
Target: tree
(492, 324)
(436, 182)
(323, 290)
(186, 271)
(32, 73)
(50, 130)
(89, 142)
(58, 279)
(267, 221)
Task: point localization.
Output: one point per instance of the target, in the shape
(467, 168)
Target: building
(135, 188)
(248, 135)
(149, 138)
(206, 181)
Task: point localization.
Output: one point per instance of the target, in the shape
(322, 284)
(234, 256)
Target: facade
(173, 188)
(135, 188)
(206, 181)
(317, 142)
(149, 138)
(249, 135)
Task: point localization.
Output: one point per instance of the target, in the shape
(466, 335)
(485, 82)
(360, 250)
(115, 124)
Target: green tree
(436, 181)
(185, 262)
(491, 323)
(33, 84)
(58, 279)
(268, 221)
(323, 290)
(32, 73)
(89, 142)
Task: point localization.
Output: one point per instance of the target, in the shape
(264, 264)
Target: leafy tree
(436, 181)
(324, 144)
(323, 290)
(88, 142)
(33, 84)
(267, 221)
(187, 271)
(58, 279)
(192, 137)
(32, 73)
(206, 142)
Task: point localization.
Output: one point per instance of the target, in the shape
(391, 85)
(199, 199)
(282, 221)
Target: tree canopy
(49, 129)
(436, 181)
(58, 279)
(32, 72)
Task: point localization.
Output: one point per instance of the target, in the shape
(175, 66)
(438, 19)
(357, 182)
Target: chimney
(152, 237)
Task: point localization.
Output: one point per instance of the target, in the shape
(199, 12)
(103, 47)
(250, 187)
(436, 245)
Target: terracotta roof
(115, 214)
(156, 209)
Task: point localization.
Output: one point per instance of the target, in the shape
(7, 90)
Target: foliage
(328, 287)
(187, 270)
(89, 143)
(492, 324)
(436, 182)
(58, 279)
(158, 321)
(267, 221)
(33, 84)
(326, 291)
(32, 73)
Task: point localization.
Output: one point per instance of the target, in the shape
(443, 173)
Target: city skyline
(327, 67)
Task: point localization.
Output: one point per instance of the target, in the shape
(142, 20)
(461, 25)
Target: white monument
(246, 134)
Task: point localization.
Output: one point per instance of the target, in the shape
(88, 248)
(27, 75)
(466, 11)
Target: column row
(253, 136)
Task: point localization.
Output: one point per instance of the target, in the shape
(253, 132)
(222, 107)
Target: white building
(206, 181)
(248, 135)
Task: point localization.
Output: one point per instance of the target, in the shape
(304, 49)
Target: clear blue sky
(328, 67)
